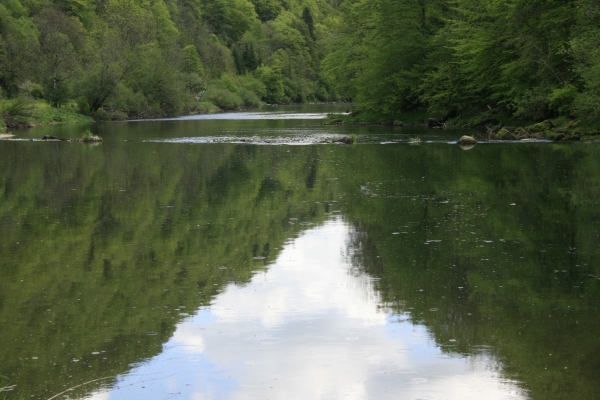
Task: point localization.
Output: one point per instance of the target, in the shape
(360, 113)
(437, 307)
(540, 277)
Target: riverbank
(487, 128)
(23, 113)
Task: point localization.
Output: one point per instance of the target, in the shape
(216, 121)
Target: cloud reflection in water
(307, 328)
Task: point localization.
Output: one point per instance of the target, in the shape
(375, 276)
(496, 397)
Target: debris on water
(259, 258)
(434, 309)
(396, 233)
(95, 353)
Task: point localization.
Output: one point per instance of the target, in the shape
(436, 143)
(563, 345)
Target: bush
(37, 91)
(129, 102)
(21, 107)
(253, 84)
(82, 105)
(223, 98)
(249, 97)
(561, 100)
(273, 82)
(587, 105)
(101, 115)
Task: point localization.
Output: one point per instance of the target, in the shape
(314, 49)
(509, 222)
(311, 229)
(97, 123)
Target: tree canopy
(453, 58)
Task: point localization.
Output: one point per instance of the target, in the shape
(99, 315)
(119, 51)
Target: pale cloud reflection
(308, 329)
(309, 278)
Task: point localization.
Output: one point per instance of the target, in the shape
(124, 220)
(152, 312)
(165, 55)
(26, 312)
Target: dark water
(220, 258)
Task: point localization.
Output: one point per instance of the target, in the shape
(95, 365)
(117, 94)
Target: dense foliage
(458, 58)
(142, 58)
(454, 58)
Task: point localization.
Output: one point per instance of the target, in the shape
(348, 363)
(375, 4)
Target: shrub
(561, 100)
(21, 107)
(223, 98)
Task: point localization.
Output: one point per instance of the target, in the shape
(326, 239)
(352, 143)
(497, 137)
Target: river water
(244, 256)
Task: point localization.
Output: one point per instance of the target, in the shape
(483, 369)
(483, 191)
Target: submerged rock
(345, 140)
(50, 137)
(89, 139)
(467, 140)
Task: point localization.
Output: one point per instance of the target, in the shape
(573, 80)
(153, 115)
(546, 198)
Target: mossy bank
(489, 128)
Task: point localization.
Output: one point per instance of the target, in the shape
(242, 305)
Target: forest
(116, 59)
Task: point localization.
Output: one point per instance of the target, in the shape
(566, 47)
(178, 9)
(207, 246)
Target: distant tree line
(455, 58)
(143, 58)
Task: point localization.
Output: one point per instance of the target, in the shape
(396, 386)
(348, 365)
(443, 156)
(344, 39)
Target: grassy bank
(23, 113)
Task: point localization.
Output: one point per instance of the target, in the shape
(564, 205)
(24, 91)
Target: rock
(466, 147)
(434, 122)
(49, 137)
(467, 140)
(398, 123)
(541, 127)
(345, 140)
(521, 133)
(91, 139)
(504, 134)
(572, 124)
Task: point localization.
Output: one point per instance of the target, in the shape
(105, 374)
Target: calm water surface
(240, 256)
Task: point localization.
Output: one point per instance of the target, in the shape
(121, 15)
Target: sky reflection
(308, 328)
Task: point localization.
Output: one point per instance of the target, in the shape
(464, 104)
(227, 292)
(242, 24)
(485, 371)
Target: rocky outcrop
(466, 141)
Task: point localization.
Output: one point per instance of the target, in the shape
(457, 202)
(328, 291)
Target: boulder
(345, 140)
(521, 133)
(467, 140)
(398, 123)
(435, 122)
(541, 127)
(504, 134)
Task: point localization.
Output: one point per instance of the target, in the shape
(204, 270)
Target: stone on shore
(467, 140)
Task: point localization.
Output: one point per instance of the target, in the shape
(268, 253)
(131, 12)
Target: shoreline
(491, 129)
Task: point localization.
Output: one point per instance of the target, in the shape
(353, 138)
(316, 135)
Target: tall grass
(20, 107)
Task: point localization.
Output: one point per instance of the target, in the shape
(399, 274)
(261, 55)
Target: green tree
(62, 43)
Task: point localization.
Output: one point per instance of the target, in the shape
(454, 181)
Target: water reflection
(484, 263)
(309, 327)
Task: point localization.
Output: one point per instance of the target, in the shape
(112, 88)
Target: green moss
(504, 134)
(541, 127)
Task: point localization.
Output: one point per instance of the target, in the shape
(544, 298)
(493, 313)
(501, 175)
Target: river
(245, 256)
